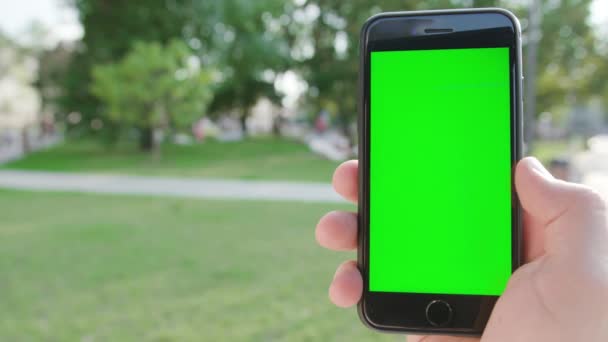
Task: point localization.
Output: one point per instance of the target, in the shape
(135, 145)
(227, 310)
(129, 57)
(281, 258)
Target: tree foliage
(564, 47)
(251, 42)
(324, 37)
(231, 35)
(154, 87)
(252, 54)
(111, 28)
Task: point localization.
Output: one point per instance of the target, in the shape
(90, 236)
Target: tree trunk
(277, 120)
(243, 120)
(155, 150)
(26, 147)
(146, 139)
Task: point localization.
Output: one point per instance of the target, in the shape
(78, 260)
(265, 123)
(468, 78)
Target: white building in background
(262, 118)
(20, 102)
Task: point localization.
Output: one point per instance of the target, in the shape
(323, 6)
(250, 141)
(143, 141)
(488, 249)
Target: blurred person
(559, 294)
(198, 130)
(322, 121)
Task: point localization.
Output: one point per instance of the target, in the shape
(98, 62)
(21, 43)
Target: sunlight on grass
(114, 268)
(546, 150)
(260, 158)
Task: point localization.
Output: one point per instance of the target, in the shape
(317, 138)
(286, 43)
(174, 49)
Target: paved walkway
(175, 187)
(592, 166)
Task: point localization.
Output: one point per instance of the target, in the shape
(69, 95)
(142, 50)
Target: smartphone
(440, 124)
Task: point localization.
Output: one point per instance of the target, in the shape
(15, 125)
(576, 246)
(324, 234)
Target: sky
(62, 21)
(59, 18)
(599, 14)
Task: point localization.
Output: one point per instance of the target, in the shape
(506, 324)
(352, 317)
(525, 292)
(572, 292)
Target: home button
(439, 313)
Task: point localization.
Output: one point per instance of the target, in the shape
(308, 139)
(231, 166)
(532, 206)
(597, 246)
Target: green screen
(440, 171)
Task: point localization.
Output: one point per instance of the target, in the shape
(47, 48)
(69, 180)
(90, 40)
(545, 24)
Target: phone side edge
(519, 128)
(362, 173)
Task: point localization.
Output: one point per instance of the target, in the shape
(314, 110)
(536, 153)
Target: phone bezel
(401, 312)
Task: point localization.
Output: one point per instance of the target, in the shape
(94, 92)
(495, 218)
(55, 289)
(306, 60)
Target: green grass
(261, 158)
(79, 267)
(545, 150)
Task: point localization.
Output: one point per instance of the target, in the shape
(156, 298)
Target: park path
(165, 186)
(592, 164)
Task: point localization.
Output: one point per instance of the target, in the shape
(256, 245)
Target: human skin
(559, 294)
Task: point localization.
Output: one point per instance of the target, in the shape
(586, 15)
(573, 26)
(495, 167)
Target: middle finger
(337, 230)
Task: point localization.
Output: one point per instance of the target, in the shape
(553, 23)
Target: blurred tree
(110, 29)
(231, 35)
(155, 87)
(596, 63)
(565, 43)
(324, 35)
(324, 38)
(53, 65)
(111, 26)
(252, 55)
(250, 42)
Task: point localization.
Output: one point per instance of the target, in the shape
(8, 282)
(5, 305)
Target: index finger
(345, 180)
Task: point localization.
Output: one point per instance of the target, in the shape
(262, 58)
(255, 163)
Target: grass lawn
(545, 150)
(79, 267)
(260, 158)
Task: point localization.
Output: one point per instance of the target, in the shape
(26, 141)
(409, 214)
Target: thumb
(541, 195)
(572, 215)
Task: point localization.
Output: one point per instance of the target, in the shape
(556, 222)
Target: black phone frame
(405, 312)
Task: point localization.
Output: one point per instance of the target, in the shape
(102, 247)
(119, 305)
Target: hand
(560, 294)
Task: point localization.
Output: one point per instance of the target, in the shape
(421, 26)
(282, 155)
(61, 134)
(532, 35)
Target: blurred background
(163, 163)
